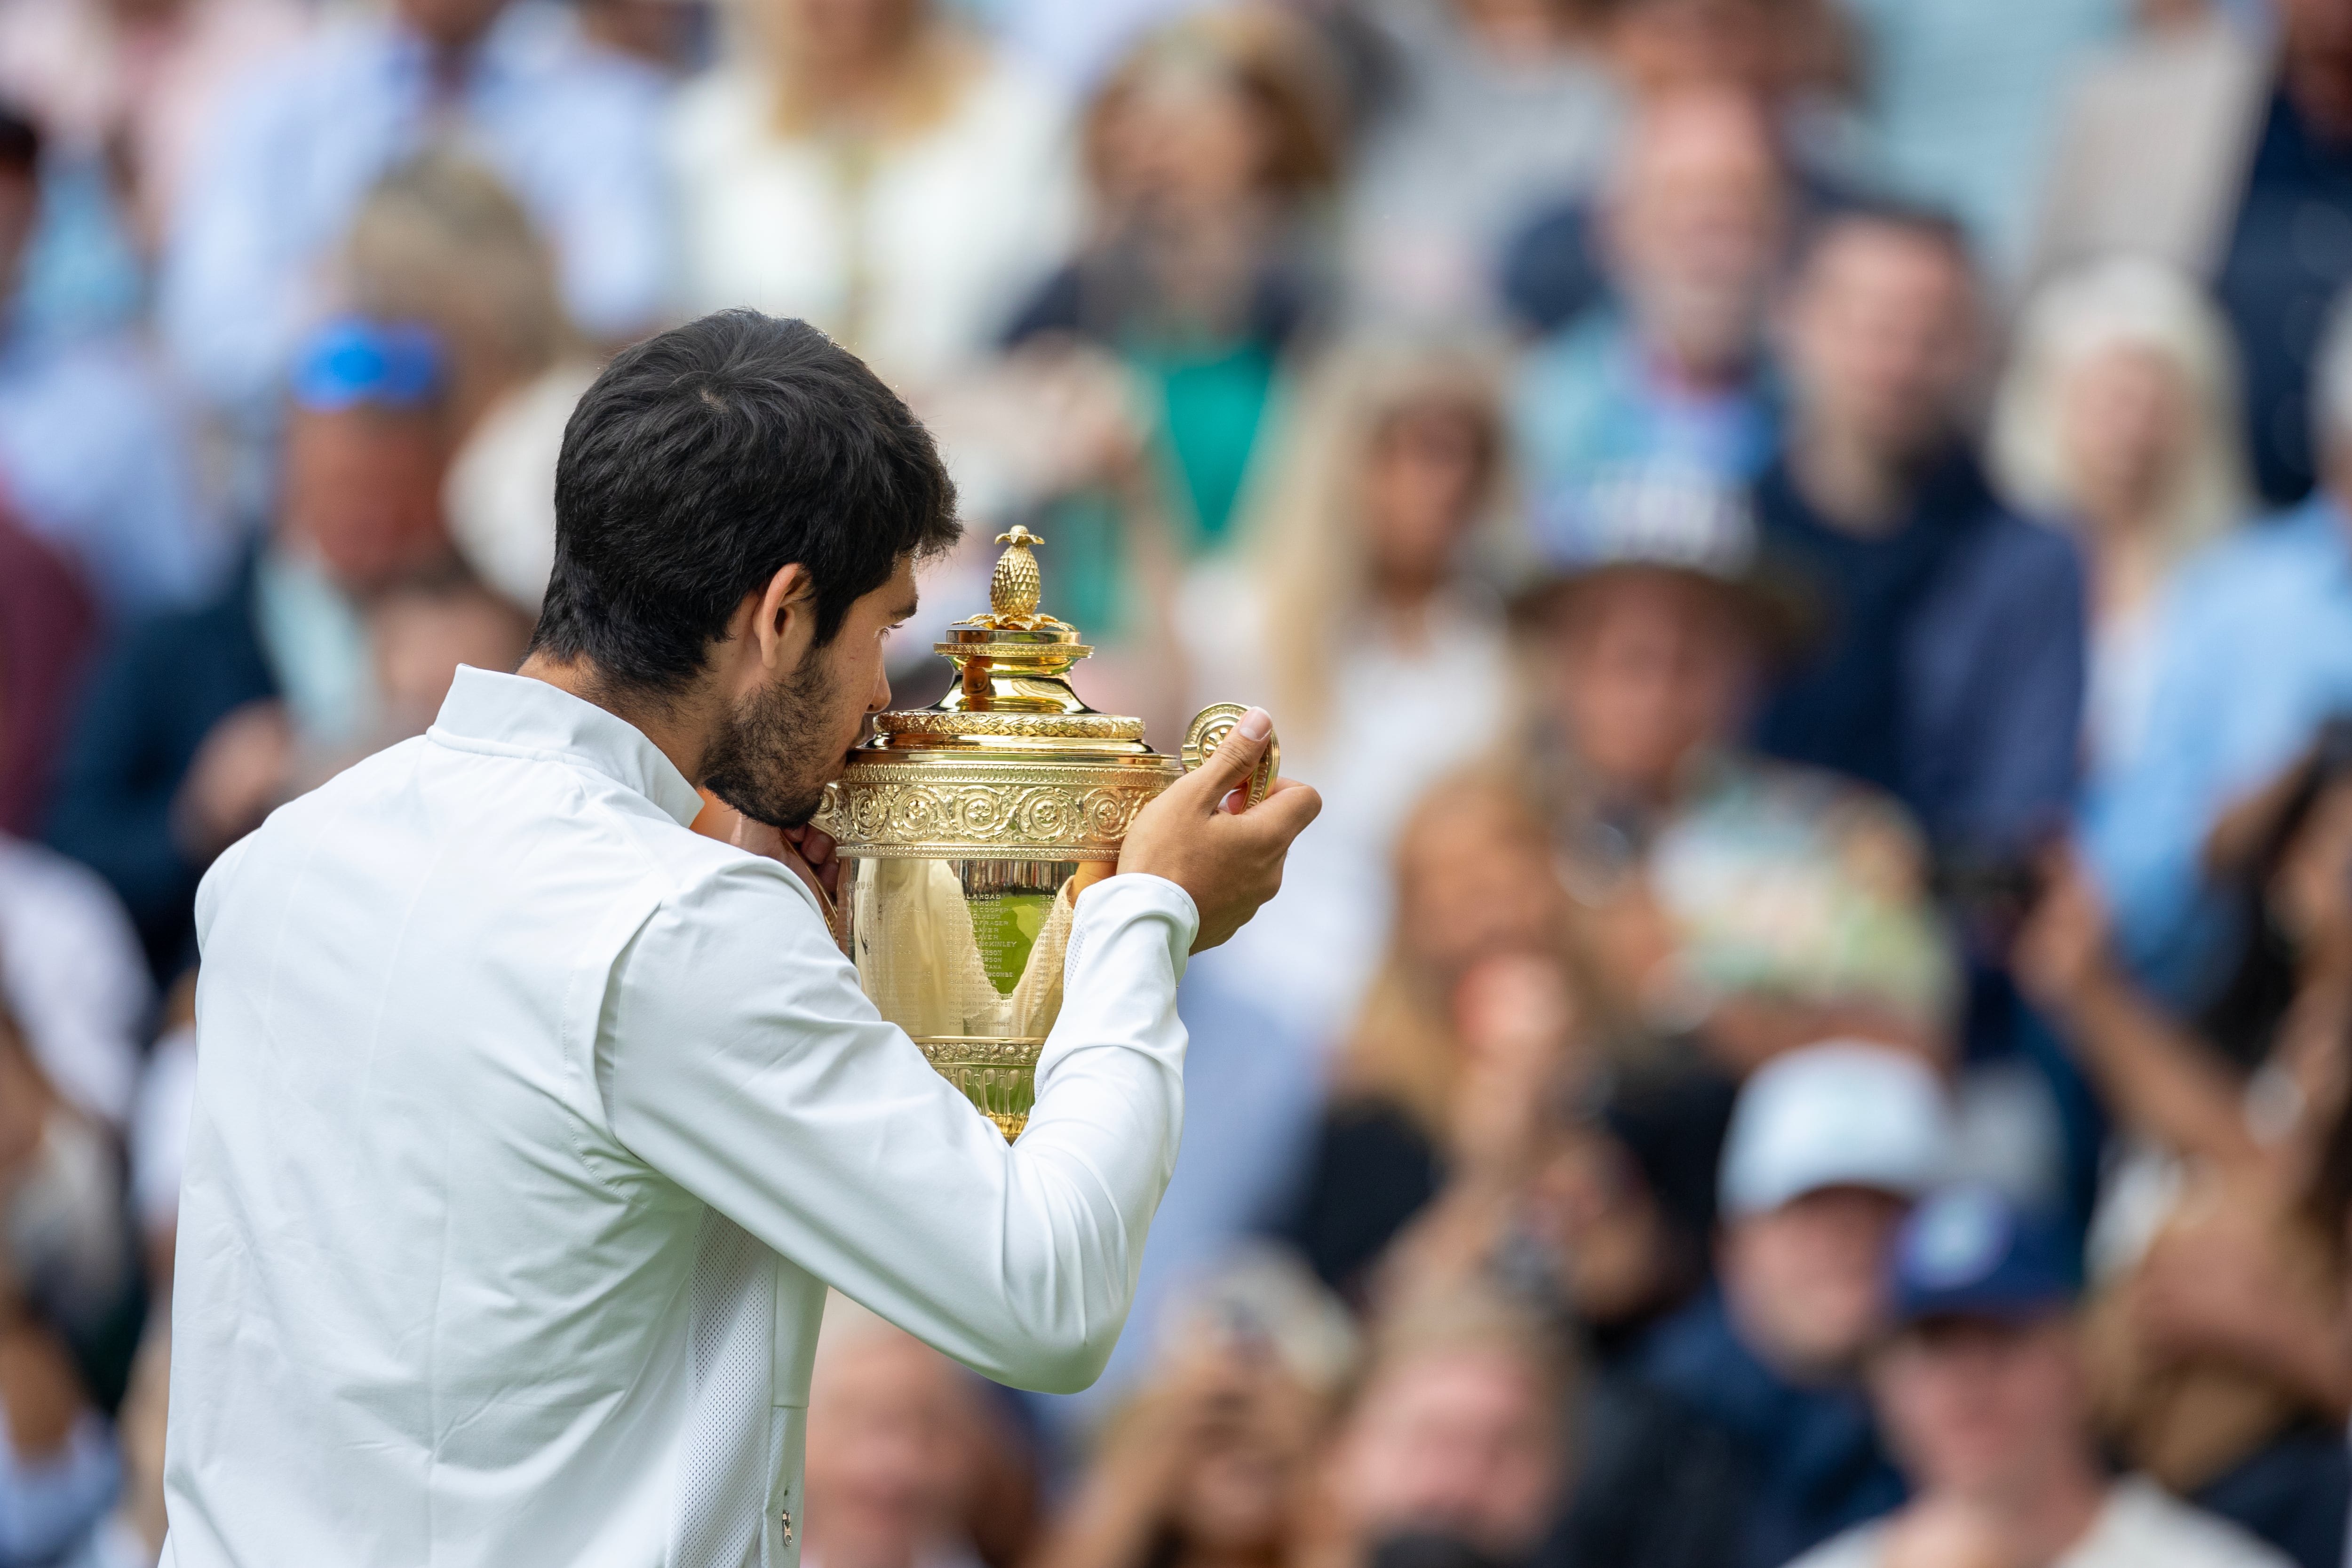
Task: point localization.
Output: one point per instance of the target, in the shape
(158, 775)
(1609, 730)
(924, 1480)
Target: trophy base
(998, 1076)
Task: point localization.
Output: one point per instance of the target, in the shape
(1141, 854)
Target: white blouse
(1400, 718)
(948, 233)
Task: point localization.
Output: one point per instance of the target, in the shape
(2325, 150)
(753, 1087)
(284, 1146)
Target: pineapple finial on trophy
(1014, 587)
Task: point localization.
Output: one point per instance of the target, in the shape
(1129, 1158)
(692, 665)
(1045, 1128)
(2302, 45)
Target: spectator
(1747, 904)
(1208, 152)
(1213, 1462)
(2220, 1240)
(137, 84)
(1471, 1026)
(874, 170)
(1663, 385)
(1622, 1213)
(1359, 611)
(441, 240)
(1951, 670)
(1786, 56)
(65, 1272)
(1454, 1449)
(1621, 1204)
(1985, 1394)
(197, 723)
(2200, 143)
(1608, 1223)
(2258, 656)
(895, 1438)
(422, 630)
(73, 978)
(91, 454)
(574, 131)
(1828, 1147)
(1486, 109)
(2118, 418)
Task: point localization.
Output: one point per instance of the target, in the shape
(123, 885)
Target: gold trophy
(968, 829)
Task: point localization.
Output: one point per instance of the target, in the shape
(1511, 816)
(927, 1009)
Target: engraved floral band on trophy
(968, 829)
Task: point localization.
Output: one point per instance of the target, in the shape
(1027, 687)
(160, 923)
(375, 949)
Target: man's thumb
(1225, 769)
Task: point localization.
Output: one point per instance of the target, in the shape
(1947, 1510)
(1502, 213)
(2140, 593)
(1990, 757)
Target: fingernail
(1256, 725)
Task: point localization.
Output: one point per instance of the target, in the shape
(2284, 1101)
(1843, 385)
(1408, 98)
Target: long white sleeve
(737, 1056)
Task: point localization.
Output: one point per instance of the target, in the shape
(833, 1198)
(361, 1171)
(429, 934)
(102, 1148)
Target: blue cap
(351, 360)
(1969, 1251)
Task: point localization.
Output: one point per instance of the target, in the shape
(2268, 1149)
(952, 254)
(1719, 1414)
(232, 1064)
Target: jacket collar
(513, 715)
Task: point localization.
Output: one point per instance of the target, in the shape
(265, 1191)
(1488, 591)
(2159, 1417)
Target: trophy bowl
(968, 829)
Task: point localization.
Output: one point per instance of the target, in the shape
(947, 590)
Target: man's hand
(1200, 835)
(807, 852)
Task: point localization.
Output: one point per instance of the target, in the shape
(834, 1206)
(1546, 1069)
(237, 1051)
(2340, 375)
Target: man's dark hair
(1918, 220)
(706, 459)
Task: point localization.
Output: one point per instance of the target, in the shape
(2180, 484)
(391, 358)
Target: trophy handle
(1208, 731)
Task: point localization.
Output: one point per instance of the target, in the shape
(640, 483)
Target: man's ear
(783, 623)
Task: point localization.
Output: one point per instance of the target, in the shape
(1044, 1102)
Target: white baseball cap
(1843, 1113)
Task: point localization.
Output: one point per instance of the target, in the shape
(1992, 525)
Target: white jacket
(530, 1128)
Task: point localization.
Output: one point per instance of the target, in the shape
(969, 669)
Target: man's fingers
(1286, 809)
(1230, 766)
(790, 853)
(816, 846)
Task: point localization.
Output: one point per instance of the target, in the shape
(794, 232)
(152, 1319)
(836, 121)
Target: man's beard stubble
(763, 763)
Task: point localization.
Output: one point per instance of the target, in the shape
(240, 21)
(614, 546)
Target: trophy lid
(1012, 693)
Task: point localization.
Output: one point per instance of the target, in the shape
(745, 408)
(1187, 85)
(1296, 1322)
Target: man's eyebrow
(907, 611)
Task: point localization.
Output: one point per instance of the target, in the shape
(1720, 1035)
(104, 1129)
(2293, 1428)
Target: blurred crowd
(1807, 544)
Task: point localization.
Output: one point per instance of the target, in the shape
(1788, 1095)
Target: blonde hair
(1456, 1317)
(1304, 520)
(1271, 58)
(2124, 302)
(1405, 1050)
(937, 64)
(442, 240)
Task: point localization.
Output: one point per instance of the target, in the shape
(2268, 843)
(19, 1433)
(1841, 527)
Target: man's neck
(2049, 1508)
(1858, 489)
(678, 731)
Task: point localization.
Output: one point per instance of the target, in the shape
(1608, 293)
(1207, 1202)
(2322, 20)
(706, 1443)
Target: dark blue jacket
(1946, 664)
(1814, 1462)
(156, 694)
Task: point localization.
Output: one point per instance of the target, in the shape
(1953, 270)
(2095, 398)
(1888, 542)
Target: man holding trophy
(531, 1127)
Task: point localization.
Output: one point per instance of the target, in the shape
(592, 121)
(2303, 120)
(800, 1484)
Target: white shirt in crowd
(930, 243)
(1399, 718)
(530, 1128)
(73, 977)
(2140, 1527)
